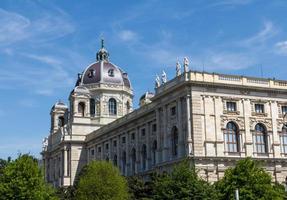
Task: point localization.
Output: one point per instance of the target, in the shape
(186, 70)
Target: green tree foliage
(252, 181)
(23, 179)
(100, 180)
(66, 193)
(140, 189)
(182, 183)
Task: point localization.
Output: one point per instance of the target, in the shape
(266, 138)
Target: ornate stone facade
(212, 119)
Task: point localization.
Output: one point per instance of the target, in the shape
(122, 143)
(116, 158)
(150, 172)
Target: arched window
(283, 139)
(154, 149)
(144, 157)
(174, 141)
(124, 161)
(115, 160)
(128, 107)
(133, 159)
(81, 108)
(92, 107)
(232, 137)
(261, 139)
(61, 121)
(112, 106)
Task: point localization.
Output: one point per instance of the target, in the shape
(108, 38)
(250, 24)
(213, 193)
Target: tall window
(81, 108)
(154, 149)
(261, 139)
(144, 157)
(124, 161)
(128, 106)
(232, 137)
(231, 106)
(259, 108)
(112, 106)
(92, 107)
(284, 109)
(133, 159)
(174, 141)
(115, 160)
(283, 138)
(61, 121)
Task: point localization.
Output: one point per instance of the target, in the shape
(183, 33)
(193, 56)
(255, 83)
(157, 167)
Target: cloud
(267, 32)
(281, 47)
(15, 27)
(29, 103)
(127, 35)
(43, 58)
(225, 61)
(232, 3)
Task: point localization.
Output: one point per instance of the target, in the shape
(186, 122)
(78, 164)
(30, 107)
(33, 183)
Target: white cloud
(267, 32)
(29, 103)
(232, 3)
(15, 27)
(127, 35)
(225, 60)
(43, 58)
(281, 47)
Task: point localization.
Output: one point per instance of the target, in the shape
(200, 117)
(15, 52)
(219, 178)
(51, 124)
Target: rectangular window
(284, 109)
(107, 146)
(115, 143)
(92, 152)
(173, 111)
(133, 136)
(143, 132)
(123, 140)
(154, 127)
(99, 149)
(231, 106)
(259, 108)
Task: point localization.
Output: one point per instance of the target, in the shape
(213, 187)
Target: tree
(252, 181)
(182, 183)
(101, 180)
(23, 179)
(140, 189)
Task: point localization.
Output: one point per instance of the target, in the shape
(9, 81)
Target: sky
(44, 44)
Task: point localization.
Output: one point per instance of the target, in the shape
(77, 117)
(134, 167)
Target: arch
(133, 160)
(61, 121)
(81, 108)
(144, 157)
(232, 137)
(154, 149)
(112, 106)
(261, 139)
(92, 107)
(174, 141)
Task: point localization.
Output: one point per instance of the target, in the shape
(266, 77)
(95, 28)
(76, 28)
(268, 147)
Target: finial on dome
(102, 54)
(102, 43)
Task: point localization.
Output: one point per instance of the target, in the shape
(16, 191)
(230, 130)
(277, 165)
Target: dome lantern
(102, 54)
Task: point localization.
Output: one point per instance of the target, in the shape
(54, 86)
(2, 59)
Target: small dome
(59, 105)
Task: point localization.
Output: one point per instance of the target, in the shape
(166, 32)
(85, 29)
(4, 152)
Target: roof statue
(178, 69)
(163, 77)
(185, 64)
(157, 81)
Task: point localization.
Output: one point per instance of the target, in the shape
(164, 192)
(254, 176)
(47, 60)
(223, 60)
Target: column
(179, 125)
(165, 134)
(148, 145)
(158, 140)
(189, 146)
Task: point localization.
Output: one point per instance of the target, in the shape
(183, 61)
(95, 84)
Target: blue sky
(44, 44)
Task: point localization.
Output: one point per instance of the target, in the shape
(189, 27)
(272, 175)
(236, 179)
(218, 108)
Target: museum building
(211, 119)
